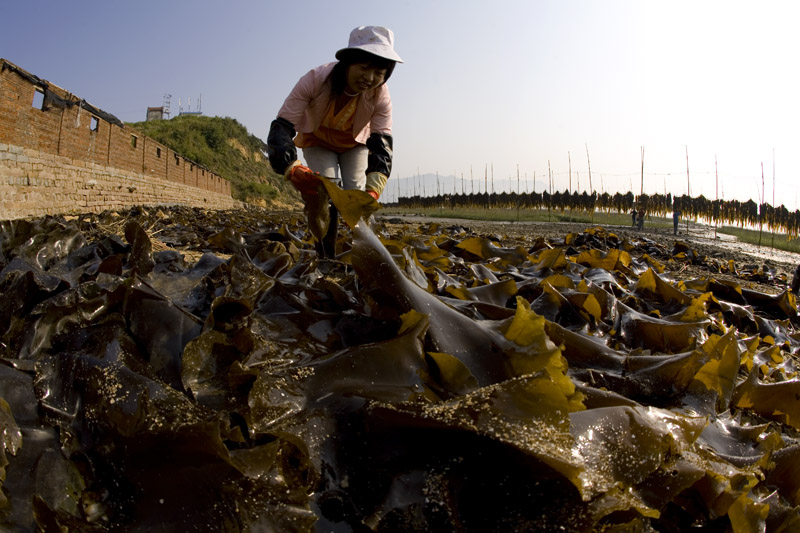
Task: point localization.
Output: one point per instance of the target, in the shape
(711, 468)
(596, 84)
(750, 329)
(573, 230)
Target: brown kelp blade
(317, 213)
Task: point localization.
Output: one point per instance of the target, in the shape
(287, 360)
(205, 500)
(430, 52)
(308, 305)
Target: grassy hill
(224, 146)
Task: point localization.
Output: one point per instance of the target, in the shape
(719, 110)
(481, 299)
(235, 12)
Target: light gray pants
(348, 169)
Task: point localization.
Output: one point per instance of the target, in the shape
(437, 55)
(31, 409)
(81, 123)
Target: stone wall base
(34, 183)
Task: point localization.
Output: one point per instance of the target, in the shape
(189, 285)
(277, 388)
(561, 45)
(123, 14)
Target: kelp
(177, 369)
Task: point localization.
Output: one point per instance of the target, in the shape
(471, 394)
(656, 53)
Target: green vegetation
(529, 215)
(767, 239)
(225, 147)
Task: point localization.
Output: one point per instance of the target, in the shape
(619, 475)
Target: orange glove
(304, 179)
(374, 194)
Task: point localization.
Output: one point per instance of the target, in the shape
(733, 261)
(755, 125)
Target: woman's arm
(280, 141)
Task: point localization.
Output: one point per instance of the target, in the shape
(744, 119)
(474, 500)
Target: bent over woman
(340, 115)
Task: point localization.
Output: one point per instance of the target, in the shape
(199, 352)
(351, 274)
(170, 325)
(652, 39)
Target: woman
(341, 113)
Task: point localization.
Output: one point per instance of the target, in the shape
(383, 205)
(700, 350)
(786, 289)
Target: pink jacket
(306, 105)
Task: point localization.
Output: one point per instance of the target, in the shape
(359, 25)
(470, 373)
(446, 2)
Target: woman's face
(362, 77)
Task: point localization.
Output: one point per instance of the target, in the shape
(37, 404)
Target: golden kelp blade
(718, 375)
(651, 283)
(777, 401)
(556, 389)
(612, 260)
(352, 205)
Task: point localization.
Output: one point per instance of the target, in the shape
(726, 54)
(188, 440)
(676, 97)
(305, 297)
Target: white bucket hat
(376, 40)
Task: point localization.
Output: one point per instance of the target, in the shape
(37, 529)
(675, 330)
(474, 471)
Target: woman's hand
(303, 178)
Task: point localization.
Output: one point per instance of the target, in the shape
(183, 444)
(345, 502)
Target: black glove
(380, 154)
(280, 145)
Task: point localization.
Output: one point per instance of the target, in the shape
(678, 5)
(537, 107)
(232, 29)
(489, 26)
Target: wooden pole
(772, 222)
(550, 185)
(688, 190)
(569, 159)
(761, 207)
(517, 192)
(716, 177)
(486, 183)
(641, 189)
(591, 189)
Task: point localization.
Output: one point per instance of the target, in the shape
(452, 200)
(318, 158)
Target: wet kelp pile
(183, 370)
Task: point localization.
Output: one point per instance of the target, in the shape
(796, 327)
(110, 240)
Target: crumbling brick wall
(59, 154)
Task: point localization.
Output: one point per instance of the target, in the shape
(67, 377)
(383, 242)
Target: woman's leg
(323, 161)
(353, 165)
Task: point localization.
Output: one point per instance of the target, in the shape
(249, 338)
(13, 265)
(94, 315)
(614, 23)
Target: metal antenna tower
(166, 104)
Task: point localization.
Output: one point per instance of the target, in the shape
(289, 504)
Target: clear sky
(497, 85)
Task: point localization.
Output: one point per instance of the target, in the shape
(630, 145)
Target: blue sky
(501, 85)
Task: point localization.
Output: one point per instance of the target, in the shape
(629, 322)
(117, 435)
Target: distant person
(633, 218)
(341, 114)
(640, 218)
(676, 217)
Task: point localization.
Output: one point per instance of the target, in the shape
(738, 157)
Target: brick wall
(60, 154)
(35, 183)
